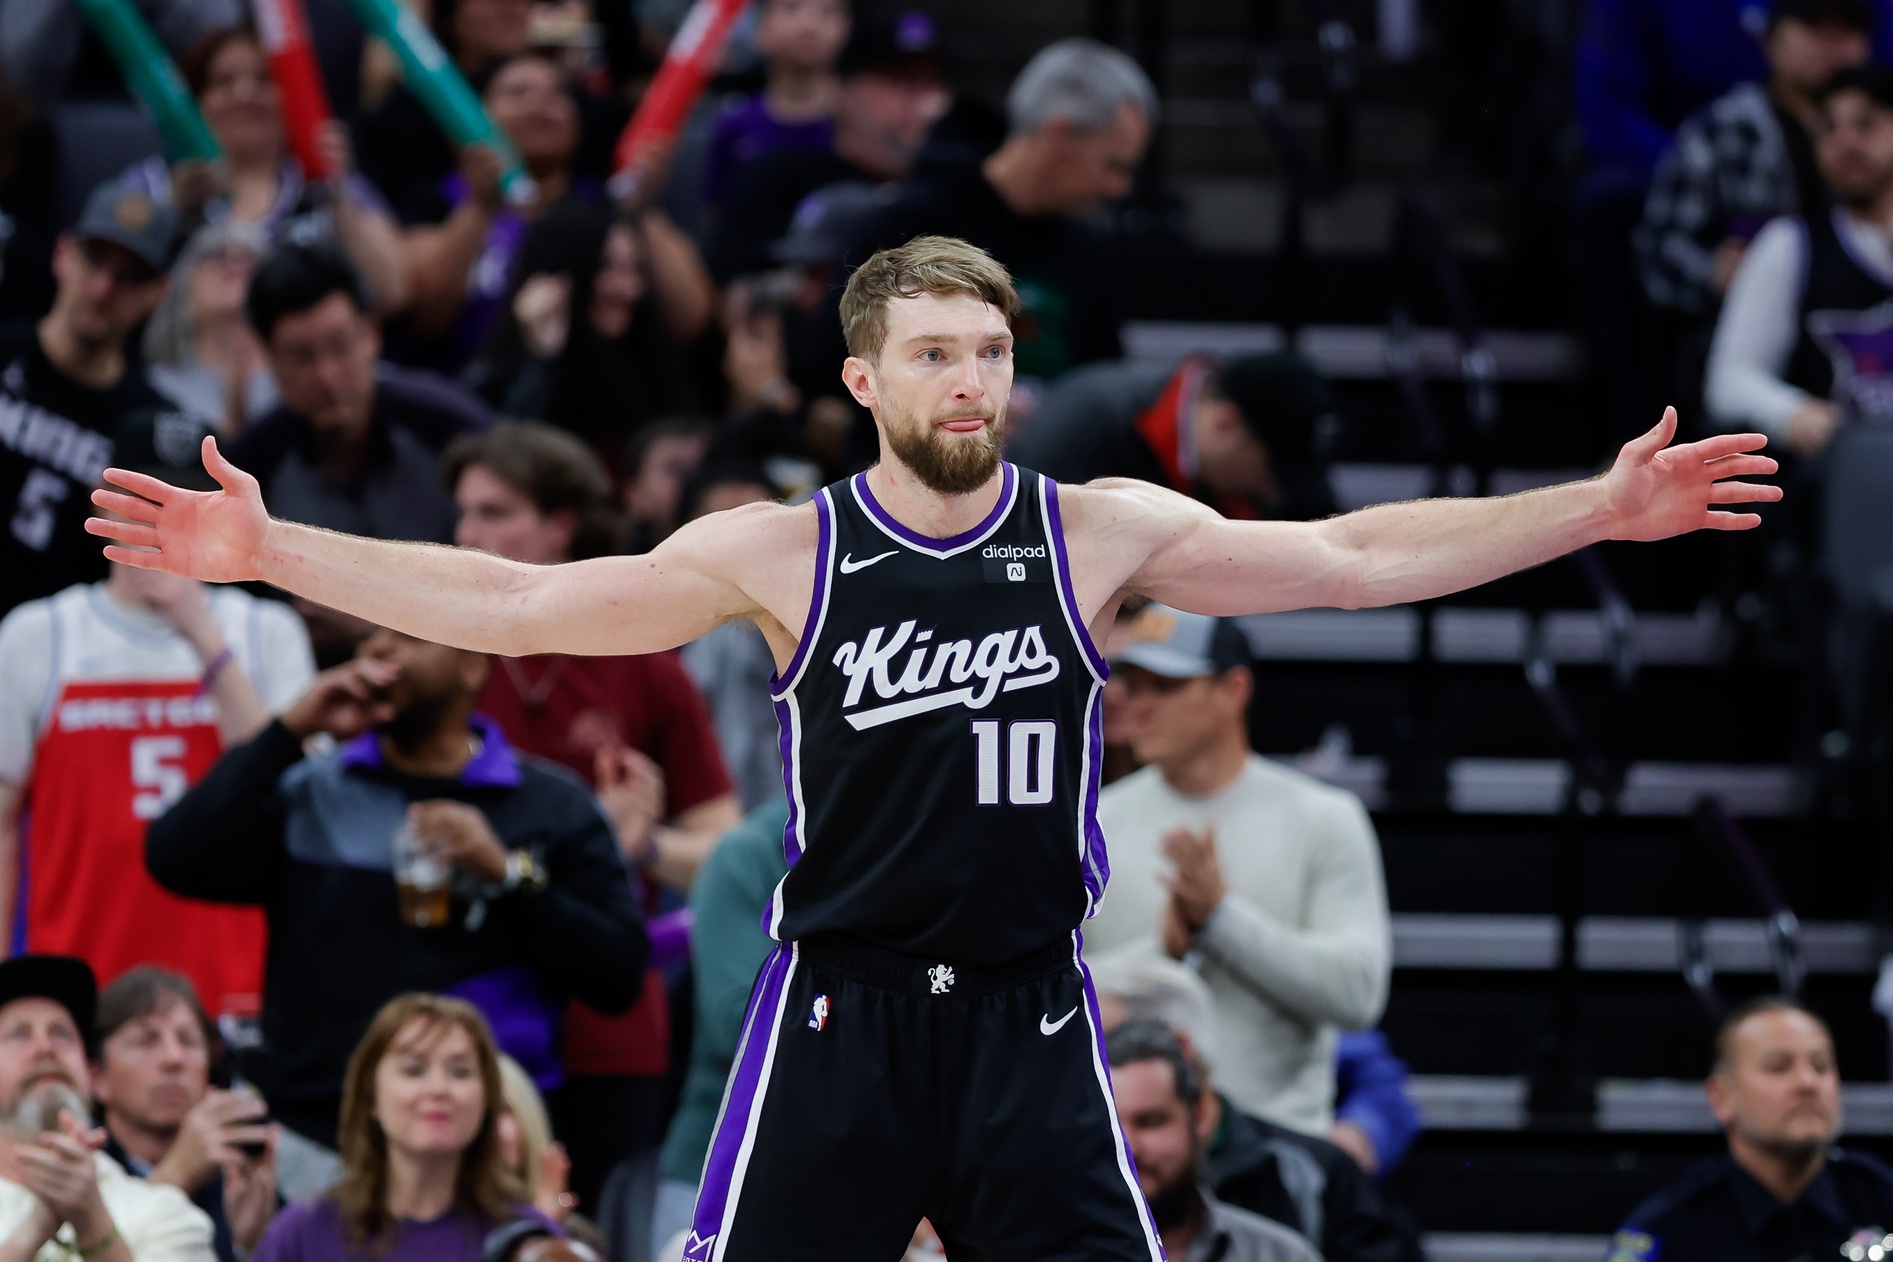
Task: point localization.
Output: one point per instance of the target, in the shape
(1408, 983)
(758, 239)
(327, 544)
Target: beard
(1172, 1207)
(1796, 1149)
(39, 1106)
(945, 463)
(416, 720)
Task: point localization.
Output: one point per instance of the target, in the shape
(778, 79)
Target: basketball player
(924, 1039)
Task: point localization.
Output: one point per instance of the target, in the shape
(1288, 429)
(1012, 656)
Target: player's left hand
(459, 834)
(1655, 491)
(1196, 885)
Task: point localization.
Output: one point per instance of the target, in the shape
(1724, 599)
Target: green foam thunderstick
(439, 86)
(151, 74)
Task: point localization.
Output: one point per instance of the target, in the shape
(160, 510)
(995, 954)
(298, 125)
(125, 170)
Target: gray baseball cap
(1179, 645)
(126, 215)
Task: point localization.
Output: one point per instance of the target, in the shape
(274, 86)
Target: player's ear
(858, 375)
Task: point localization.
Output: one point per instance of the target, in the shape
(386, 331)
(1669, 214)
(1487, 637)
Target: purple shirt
(746, 132)
(313, 1231)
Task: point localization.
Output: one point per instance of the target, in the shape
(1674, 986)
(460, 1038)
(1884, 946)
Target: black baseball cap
(165, 443)
(128, 216)
(828, 221)
(64, 979)
(1857, 14)
(906, 46)
(1285, 404)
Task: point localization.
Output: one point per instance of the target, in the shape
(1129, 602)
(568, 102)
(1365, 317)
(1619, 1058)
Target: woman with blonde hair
(423, 1178)
(527, 1146)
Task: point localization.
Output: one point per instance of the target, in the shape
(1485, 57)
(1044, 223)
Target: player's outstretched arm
(448, 595)
(1395, 553)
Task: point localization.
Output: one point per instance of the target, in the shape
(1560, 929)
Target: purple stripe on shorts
(742, 1102)
(1135, 1191)
(1007, 478)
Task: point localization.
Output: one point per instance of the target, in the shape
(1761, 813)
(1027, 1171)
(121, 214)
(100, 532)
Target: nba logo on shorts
(1015, 571)
(818, 1015)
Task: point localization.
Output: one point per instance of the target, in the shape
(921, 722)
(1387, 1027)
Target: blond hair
(925, 265)
(528, 1108)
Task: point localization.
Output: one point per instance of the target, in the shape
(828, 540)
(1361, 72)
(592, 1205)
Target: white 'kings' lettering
(1004, 661)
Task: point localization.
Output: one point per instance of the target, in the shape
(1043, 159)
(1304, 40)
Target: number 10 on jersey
(1030, 747)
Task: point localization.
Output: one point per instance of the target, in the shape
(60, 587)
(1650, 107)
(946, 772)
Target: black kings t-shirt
(55, 445)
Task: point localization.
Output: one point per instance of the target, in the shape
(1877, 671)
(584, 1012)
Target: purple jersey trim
(784, 680)
(735, 1135)
(782, 688)
(1092, 852)
(1009, 485)
(1067, 595)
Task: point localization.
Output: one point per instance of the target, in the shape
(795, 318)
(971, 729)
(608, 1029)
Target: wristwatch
(524, 873)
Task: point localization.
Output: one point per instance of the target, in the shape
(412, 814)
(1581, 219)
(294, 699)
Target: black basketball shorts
(871, 1089)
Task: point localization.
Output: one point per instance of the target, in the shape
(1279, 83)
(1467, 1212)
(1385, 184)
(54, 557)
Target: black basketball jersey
(941, 728)
(1843, 351)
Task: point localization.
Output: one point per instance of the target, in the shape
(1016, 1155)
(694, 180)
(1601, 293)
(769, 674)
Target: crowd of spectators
(419, 977)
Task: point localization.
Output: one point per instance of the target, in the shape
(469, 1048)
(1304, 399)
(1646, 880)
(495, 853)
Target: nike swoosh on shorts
(1049, 1026)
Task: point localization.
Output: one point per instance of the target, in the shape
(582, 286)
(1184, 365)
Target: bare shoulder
(766, 551)
(752, 534)
(1121, 509)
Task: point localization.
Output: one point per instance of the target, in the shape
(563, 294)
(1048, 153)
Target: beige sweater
(157, 1221)
(1300, 947)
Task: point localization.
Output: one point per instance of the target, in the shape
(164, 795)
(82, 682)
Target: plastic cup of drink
(421, 882)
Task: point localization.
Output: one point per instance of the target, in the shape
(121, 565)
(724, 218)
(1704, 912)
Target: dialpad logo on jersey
(1015, 563)
(936, 676)
(940, 977)
(818, 1014)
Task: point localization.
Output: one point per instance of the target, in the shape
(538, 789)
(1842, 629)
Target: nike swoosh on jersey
(1049, 1026)
(849, 565)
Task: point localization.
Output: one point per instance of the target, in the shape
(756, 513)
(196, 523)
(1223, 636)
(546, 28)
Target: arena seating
(1560, 1086)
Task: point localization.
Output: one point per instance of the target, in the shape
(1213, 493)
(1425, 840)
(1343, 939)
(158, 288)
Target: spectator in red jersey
(634, 726)
(115, 697)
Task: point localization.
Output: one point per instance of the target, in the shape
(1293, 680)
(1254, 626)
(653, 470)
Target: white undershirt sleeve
(1755, 336)
(26, 672)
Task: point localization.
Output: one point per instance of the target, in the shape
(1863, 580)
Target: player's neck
(1786, 1174)
(927, 512)
(1208, 769)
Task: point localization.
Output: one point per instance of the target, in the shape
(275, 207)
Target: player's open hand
(216, 536)
(1655, 490)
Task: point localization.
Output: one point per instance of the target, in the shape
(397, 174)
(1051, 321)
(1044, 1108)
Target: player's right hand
(216, 536)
